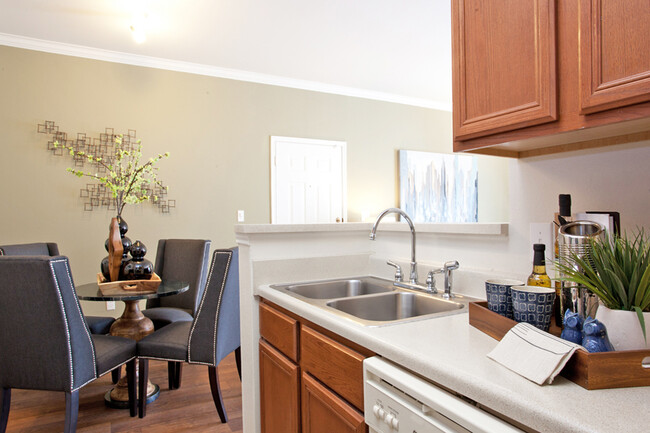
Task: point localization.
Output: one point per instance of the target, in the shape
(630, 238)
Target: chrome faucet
(446, 269)
(413, 278)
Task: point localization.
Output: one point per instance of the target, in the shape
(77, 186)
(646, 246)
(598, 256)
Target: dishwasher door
(396, 400)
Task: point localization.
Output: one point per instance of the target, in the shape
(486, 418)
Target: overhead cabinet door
(504, 65)
(614, 60)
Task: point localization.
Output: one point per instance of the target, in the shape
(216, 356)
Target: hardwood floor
(189, 408)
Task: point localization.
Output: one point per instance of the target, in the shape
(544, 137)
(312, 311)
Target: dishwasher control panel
(396, 400)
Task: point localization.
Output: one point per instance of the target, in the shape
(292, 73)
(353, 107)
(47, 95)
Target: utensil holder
(575, 238)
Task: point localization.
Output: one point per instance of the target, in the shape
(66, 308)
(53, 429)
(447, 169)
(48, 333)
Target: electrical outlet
(542, 233)
(110, 305)
(240, 216)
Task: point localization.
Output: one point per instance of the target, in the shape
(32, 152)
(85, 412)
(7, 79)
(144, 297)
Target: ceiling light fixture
(139, 24)
(139, 36)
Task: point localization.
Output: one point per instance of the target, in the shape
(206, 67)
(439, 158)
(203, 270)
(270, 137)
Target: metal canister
(575, 238)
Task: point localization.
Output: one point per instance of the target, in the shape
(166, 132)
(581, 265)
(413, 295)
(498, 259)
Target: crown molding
(211, 71)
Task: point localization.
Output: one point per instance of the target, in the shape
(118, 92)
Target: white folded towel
(533, 353)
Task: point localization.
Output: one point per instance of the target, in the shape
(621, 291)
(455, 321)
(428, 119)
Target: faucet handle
(450, 265)
(447, 268)
(431, 282)
(398, 270)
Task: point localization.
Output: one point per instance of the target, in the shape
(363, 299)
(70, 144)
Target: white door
(308, 181)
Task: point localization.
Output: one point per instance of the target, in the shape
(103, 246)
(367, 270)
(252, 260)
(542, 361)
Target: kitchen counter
(450, 352)
(446, 350)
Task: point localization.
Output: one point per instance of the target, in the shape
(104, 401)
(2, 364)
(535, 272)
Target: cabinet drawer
(336, 365)
(280, 330)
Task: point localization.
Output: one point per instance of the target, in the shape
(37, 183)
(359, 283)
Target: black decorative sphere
(138, 269)
(138, 250)
(124, 227)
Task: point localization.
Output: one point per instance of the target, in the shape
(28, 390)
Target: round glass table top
(91, 292)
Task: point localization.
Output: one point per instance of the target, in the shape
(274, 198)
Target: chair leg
(115, 374)
(171, 374)
(132, 386)
(174, 373)
(216, 393)
(71, 411)
(238, 361)
(142, 386)
(178, 375)
(5, 404)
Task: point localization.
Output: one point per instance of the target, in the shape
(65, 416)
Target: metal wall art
(97, 195)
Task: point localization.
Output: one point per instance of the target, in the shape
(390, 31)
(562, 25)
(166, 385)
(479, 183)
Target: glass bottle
(539, 277)
(561, 218)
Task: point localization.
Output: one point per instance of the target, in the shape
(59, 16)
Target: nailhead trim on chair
(67, 325)
(216, 321)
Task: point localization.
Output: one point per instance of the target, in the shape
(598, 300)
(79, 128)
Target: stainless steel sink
(394, 306)
(340, 288)
(373, 301)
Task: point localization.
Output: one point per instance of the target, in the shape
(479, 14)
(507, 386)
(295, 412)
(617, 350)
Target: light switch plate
(240, 216)
(110, 305)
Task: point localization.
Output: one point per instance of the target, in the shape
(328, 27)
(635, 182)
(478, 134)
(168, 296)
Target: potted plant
(617, 270)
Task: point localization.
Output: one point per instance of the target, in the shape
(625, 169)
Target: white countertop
(497, 229)
(452, 353)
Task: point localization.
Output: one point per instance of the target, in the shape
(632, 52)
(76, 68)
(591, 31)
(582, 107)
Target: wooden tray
(621, 369)
(122, 287)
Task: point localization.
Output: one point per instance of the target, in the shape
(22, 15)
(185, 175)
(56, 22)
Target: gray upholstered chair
(97, 324)
(180, 260)
(45, 342)
(213, 334)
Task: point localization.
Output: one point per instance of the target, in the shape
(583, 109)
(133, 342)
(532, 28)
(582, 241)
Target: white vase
(624, 329)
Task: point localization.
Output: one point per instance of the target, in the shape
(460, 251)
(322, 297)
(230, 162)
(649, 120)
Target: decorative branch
(117, 156)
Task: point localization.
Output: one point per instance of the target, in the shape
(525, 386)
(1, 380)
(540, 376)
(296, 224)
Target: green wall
(217, 131)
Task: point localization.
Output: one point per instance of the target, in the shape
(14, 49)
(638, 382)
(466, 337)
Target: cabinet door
(504, 65)
(279, 392)
(614, 54)
(325, 412)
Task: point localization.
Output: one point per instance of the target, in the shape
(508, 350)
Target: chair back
(182, 260)
(35, 249)
(215, 331)
(45, 341)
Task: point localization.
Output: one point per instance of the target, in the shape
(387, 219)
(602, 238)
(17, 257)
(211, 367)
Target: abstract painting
(438, 187)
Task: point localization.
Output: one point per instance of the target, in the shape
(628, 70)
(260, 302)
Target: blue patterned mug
(534, 305)
(498, 294)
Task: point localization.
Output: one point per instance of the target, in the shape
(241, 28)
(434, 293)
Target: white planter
(624, 329)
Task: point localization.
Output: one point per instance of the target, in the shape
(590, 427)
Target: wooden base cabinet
(279, 391)
(311, 380)
(325, 412)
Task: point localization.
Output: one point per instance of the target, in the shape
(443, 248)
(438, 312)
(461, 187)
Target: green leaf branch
(128, 180)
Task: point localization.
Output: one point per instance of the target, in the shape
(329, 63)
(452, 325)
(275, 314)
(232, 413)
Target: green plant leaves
(616, 270)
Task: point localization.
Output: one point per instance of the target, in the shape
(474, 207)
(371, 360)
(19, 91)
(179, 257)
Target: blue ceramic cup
(498, 295)
(534, 305)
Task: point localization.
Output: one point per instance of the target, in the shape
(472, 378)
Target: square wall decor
(438, 187)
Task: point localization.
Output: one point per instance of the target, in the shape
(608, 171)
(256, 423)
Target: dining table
(131, 324)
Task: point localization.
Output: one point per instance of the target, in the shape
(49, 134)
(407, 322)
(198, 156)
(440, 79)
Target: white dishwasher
(396, 400)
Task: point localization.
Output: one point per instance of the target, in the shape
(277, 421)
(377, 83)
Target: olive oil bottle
(539, 277)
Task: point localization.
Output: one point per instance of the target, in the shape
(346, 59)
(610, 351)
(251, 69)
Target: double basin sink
(373, 301)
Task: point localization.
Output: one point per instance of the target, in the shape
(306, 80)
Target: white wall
(613, 178)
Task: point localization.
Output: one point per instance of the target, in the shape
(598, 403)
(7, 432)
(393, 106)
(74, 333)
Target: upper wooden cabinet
(547, 76)
(504, 65)
(614, 59)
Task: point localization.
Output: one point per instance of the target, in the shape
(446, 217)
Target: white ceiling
(395, 50)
